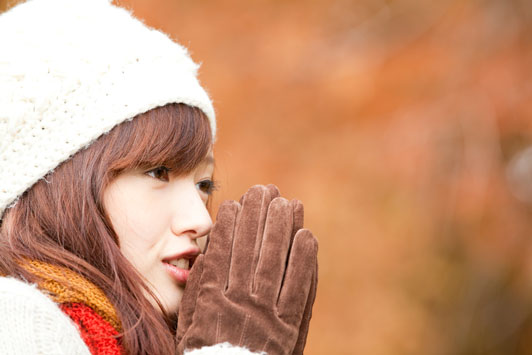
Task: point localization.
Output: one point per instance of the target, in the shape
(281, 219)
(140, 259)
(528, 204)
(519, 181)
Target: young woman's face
(158, 218)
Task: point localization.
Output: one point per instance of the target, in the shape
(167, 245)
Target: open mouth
(179, 267)
(185, 262)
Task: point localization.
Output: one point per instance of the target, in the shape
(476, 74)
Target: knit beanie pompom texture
(71, 70)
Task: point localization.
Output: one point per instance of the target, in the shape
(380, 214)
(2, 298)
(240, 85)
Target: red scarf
(89, 308)
(99, 336)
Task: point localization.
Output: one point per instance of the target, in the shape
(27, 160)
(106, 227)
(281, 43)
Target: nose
(191, 217)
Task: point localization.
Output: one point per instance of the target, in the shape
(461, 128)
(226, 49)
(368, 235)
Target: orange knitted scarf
(66, 286)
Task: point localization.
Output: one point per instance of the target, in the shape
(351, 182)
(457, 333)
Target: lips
(178, 266)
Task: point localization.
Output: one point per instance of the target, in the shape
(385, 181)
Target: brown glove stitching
(242, 340)
(265, 345)
(218, 327)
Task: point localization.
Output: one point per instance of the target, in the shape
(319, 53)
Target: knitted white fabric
(223, 348)
(32, 323)
(70, 70)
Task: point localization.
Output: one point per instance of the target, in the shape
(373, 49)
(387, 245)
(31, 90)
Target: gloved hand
(256, 283)
(307, 314)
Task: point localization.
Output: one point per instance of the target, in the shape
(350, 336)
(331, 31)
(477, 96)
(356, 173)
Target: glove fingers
(274, 192)
(274, 250)
(298, 278)
(188, 301)
(297, 207)
(299, 213)
(247, 239)
(218, 255)
(307, 315)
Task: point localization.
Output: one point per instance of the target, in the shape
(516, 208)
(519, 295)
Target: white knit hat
(70, 70)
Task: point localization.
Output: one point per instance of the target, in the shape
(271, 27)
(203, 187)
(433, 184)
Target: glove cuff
(222, 349)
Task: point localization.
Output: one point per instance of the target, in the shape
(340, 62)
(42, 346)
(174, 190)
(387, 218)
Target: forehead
(208, 163)
(209, 158)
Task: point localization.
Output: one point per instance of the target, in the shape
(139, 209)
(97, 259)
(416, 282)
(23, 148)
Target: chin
(171, 300)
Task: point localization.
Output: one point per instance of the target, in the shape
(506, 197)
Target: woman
(106, 170)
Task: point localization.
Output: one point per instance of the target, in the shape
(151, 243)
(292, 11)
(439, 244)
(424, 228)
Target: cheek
(138, 231)
(137, 222)
(138, 240)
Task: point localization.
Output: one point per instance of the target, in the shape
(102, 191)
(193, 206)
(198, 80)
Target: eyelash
(206, 186)
(160, 169)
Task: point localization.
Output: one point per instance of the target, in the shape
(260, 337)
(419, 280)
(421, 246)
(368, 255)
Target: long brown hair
(61, 219)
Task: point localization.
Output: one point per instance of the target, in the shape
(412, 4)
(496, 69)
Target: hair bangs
(176, 136)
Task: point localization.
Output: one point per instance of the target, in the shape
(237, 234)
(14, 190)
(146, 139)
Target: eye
(206, 186)
(159, 173)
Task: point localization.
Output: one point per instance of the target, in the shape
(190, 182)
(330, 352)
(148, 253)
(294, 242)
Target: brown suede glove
(256, 283)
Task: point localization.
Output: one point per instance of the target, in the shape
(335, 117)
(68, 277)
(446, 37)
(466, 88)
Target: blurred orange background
(403, 126)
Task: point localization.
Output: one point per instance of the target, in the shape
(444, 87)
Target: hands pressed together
(256, 283)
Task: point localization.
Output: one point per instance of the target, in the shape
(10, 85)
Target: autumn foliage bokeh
(403, 126)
